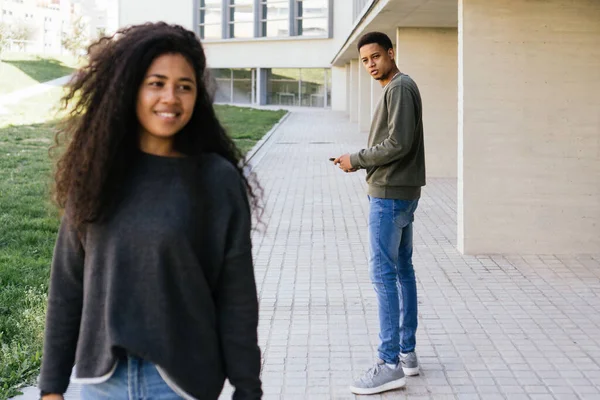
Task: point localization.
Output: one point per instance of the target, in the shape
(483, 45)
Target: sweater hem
(179, 391)
(395, 192)
(97, 380)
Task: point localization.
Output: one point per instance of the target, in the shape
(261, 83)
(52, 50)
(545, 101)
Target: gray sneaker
(410, 364)
(379, 378)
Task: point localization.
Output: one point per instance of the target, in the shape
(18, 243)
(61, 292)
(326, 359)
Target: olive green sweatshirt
(395, 158)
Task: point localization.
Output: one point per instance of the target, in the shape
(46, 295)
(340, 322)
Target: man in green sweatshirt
(395, 165)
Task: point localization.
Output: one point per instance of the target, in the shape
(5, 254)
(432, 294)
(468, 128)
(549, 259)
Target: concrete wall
(342, 24)
(529, 127)
(339, 92)
(376, 92)
(269, 53)
(354, 94)
(430, 57)
(176, 12)
(364, 98)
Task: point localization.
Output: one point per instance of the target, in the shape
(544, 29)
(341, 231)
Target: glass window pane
(276, 28)
(313, 88)
(244, 73)
(210, 15)
(275, 18)
(210, 31)
(328, 87)
(210, 19)
(222, 79)
(312, 27)
(283, 86)
(243, 13)
(313, 75)
(275, 10)
(242, 30)
(312, 9)
(210, 3)
(314, 4)
(242, 91)
(286, 73)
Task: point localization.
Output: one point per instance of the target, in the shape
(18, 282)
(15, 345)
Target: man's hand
(344, 163)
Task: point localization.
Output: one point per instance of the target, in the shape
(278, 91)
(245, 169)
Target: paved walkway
(18, 95)
(499, 327)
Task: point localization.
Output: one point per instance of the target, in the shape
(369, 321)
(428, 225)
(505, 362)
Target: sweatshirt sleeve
(237, 305)
(63, 316)
(401, 126)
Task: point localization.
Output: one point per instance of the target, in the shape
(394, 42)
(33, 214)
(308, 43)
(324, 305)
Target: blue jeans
(133, 379)
(392, 274)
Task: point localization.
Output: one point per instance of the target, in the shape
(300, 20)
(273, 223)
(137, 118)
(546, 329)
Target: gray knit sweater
(168, 277)
(395, 158)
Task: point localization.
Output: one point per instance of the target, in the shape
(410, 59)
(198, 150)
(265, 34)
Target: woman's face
(166, 99)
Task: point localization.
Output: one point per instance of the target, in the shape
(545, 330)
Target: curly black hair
(101, 127)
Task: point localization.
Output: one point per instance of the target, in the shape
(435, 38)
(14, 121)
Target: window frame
(263, 21)
(297, 17)
(260, 21)
(230, 15)
(199, 24)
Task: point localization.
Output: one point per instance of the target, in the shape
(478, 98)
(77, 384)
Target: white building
(42, 18)
(261, 51)
(511, 93)
(49, 19)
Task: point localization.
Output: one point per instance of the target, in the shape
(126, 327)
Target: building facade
(260, 51)
(48, 20)
(511, 92)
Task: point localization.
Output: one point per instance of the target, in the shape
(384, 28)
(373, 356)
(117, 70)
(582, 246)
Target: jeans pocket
(403, 213)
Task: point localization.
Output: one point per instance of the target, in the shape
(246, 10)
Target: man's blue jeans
(392, 274)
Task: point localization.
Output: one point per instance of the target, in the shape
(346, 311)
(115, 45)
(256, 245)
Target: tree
(21, 32)
(76, 39)
(100, 33)
(4, 38)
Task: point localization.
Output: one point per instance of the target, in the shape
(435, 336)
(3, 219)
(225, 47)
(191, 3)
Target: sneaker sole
(410, 371)
(397, 384)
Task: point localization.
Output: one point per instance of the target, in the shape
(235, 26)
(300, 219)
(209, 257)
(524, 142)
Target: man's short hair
(376, 37)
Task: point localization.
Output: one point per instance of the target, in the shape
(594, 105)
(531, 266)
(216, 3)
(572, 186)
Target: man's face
(378, 62)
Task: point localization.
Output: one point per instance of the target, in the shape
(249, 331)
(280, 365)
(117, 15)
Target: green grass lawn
(18, 71)
(247, 126)
(28, 224)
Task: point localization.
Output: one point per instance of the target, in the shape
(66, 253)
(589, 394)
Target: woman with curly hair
(152, 290)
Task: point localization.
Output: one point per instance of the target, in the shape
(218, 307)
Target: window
(312, 17)
(241, 18)
(274, 18)
(299, 87)
(234, 85)
(210, 19)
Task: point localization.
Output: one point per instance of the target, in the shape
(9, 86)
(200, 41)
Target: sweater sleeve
(401, 125)
(64, 310)
(237, 305)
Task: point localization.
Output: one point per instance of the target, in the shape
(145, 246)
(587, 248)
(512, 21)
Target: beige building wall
(175, 12)
(342, 24)
(376, 91)
(269, 53)
(430, 57)
(354, 70)
(339, 92)
(529, 128)
(364, 98)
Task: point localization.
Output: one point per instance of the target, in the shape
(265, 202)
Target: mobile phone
(331, 158)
